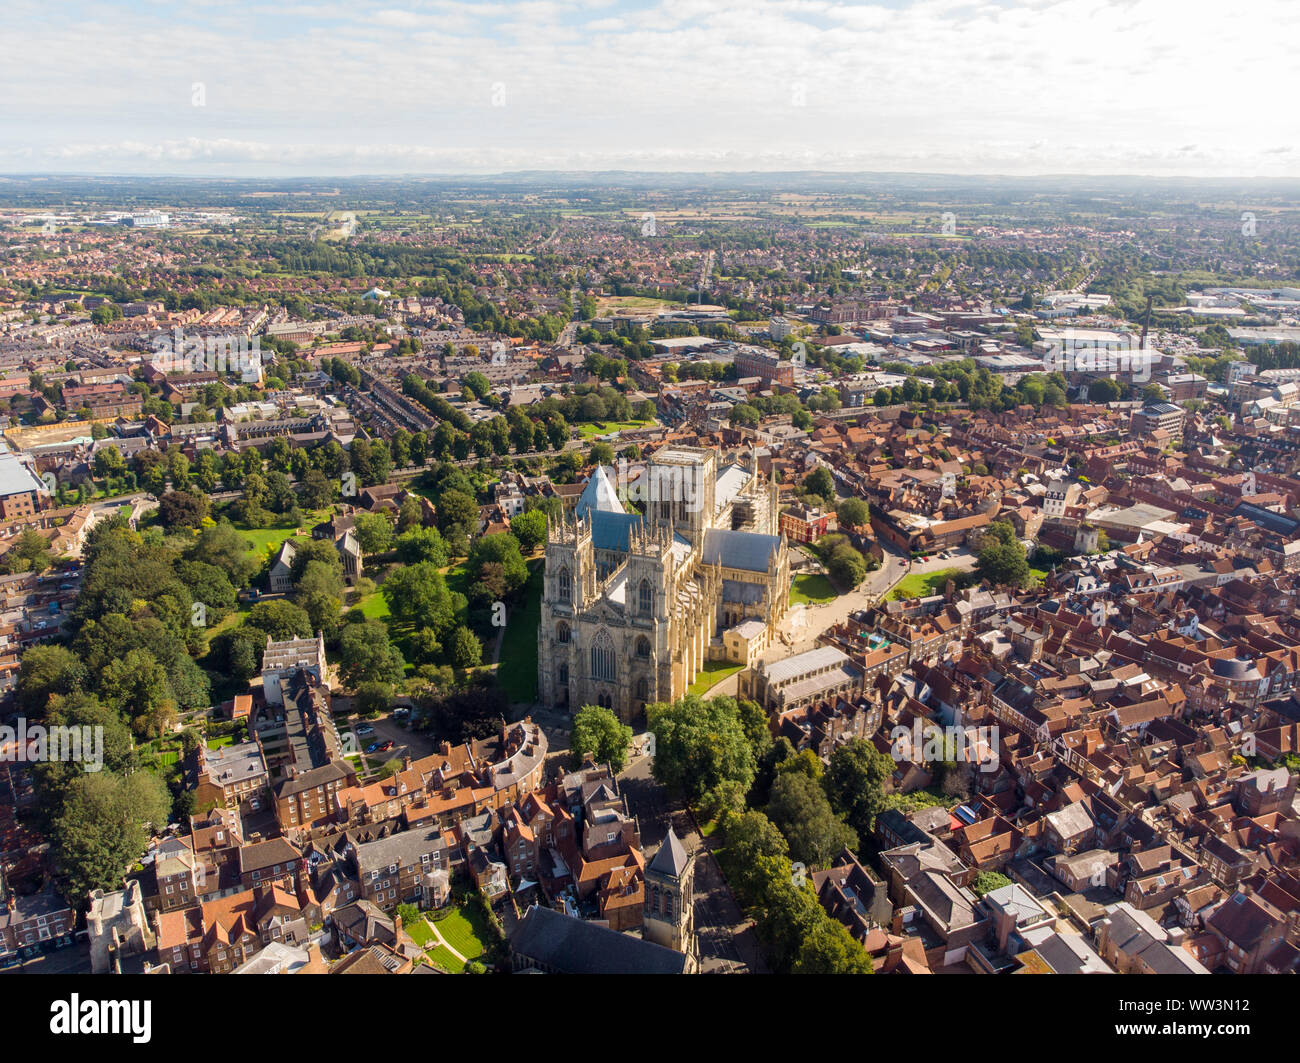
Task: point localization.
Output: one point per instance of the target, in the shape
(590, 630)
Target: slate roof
(574, 946)
(599, 495)
(611, 531)
(671, 859)
(738, 549)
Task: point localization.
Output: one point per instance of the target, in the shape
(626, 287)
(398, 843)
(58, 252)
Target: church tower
(669, 915)
(570, 586)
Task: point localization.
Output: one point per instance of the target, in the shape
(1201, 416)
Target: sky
(1151, 87)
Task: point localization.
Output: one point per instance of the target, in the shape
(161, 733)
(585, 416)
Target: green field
(462, 929)
(921, 584)
(811, 588)
(420, 931)
(262, 540)
(602, 428)
(374, 606)
(517, 674)
(444, 959)
(714, 672)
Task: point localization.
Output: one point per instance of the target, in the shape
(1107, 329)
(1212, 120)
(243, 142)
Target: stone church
(635, 603)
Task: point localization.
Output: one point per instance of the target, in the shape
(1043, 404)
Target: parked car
(364, 729)
(384, 747)
(373, 747)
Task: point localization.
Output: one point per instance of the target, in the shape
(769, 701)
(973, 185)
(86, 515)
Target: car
(365, 729)
(401, 714)
(373, 747)
(386, 746)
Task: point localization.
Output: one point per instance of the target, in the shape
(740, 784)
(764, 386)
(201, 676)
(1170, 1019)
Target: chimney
(406, 762)
(896, 924)
(397, 929)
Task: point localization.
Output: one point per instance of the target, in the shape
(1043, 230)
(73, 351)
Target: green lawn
(260, 540)
(444, 959)
(374, 606)
(517, 675)
(462, 930)
(811, 588)
(220, 741)
(714, 672)
(921, 584)
(420, 931)
(602, 428)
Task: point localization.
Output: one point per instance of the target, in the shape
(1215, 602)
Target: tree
(374, 532)
(30, 553)
(529, 528)
(466, 650)
(417, 594)
(1001, 558)
(137, 687)
(280, 619)
(597, 731)
(373, 697)
(699, 744)
(503, 548)
(802, 813)
(45, 671)
(367, 655)
(221, 545)
(829, 948)
(853, 512)
(987, 881)
(847, 566)
(601, 454)
(422, 544)
(103, 826)
(456, 507)
(855, 782)
(314, 490)
(820, 482)
(182, 509)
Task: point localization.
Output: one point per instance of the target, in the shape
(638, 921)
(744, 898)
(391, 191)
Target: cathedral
(635, 603)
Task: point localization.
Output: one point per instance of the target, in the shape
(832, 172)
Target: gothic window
(645, 598)
(603, 665)
(643, 647)
(566, 586)
(642, 688)
(562, 632)
(564, 675)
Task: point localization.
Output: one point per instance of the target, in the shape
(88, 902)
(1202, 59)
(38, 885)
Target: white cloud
(938, 83)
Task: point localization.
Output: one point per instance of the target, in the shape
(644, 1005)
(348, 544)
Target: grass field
(262, 540)
(714, 672)
(601, 428)
(517, 674)
(811, 588)
(420, 931)
(444, 959)
(921, 584)
(462, 929)
(374, 606)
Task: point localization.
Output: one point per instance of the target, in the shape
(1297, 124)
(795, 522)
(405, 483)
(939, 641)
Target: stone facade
(635, 604)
